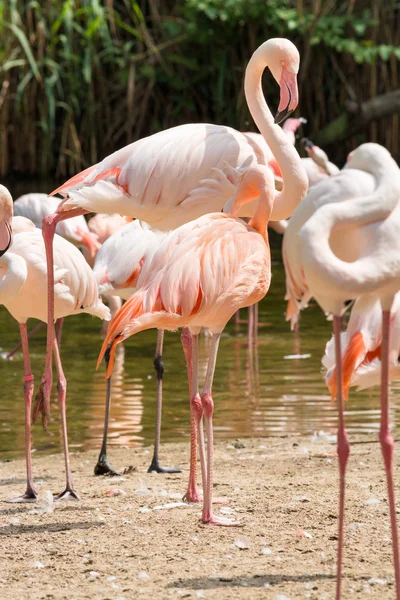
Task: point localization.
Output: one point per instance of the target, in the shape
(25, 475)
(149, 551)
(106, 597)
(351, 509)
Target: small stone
(143, 575)
(114, 492)
(242, 543)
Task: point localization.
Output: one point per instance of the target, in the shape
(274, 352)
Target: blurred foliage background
(80, 79)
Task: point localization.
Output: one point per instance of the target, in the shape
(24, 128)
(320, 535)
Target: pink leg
(256, 321)
(30, 494)
(250, 326)
(37, 327)
(190, 344)
(387, 443)
(42, 400)
(68, 493)
(208, 409)
(59, 325)
(343, 450)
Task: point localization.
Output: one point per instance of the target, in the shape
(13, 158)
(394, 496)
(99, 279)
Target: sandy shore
(284, 492)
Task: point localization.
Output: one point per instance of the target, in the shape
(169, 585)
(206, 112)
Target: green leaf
(20, 35)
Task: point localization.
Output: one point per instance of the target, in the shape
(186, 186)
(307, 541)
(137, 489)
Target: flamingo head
(317, 154)
(6, 214)
(367, 153)
(292, 125)
(284, 62)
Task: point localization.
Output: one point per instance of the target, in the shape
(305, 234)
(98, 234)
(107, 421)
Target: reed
(81, 78)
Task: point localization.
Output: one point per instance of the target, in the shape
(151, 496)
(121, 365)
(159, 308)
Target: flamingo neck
(295, 182)
(368, 272)
(261, 217)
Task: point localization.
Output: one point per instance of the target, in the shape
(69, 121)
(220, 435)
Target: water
(276, 397)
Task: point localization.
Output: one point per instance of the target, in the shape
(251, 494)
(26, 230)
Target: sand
(283, 491)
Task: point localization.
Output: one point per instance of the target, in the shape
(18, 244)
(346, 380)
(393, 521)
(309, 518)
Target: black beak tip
(281, 115)
(307, 143)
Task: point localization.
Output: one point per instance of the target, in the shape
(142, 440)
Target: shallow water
(256, 393)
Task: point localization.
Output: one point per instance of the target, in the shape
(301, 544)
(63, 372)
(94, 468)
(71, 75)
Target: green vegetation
(79, 79)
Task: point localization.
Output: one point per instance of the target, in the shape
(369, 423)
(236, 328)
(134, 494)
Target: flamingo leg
(42, 399)
(30, 494)
(208, 409)
(256, 321)
(343, 450)
(59, 325)
(103, 467)
(159, 369)
(387, 443)
(69, 492)
(190, 348)
(250, 325)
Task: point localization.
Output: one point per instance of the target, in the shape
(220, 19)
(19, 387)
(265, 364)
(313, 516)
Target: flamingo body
(199, 276)
(120, 260)
(76, 289)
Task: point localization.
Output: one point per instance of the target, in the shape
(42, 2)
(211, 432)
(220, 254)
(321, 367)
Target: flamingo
(317, 164)
(290, 126)
(6, 214)
(182, 173)
(361, 345)
(23, 293)
(370, 225)
(200, 275)
(104, 226)
(118, 265)
(37, 206)
(351, 182)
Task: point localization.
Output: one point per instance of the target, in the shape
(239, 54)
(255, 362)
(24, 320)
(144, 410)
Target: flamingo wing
(154, 179)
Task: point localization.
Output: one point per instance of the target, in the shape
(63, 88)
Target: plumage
(36, 206)
(23, 291)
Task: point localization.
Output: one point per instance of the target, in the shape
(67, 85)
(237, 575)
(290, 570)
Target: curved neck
(14, 271)
(295, 182)
(360, 276)
(261, 217)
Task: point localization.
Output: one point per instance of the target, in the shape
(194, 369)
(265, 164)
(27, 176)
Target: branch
(357, 116)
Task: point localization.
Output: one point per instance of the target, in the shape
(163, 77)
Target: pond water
(256, 393)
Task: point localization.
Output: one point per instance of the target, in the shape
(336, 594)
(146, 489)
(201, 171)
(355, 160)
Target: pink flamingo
(182, 173)
(37, 206)
(118, 265)
(200, 275)
(317, 165)
(361, 346)
(351, 182)
(6, 214)
(104, 226)
(369, 224)
(290, 127)
(23, 293)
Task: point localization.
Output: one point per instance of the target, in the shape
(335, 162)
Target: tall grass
(79, 79)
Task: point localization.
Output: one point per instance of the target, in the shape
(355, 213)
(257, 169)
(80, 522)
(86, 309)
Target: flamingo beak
(308, 146)
(6, 237)
(289, 95)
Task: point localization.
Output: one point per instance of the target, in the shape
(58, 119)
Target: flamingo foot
(103, 467)
(222, 521)
(29, 497)
(155, 467)
(67, 495)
